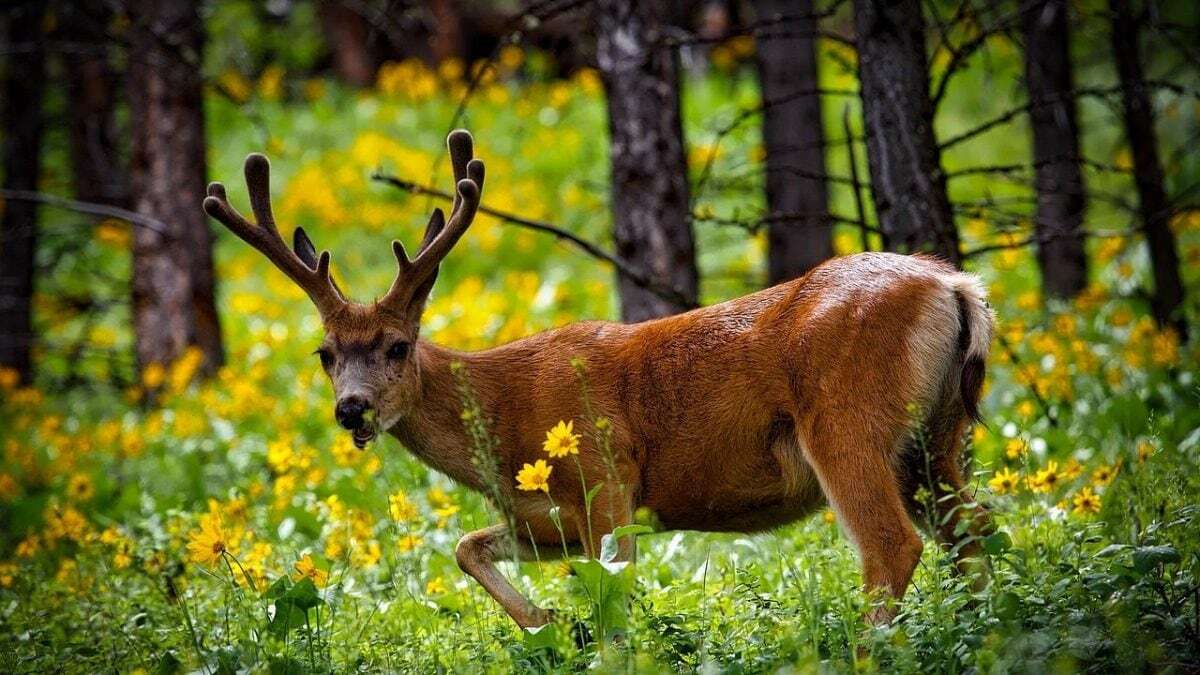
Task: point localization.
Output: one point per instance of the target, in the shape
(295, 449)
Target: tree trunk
(1058, 224)
(173, 282)
(800, 234)
(1153, 206)
(21, 107)
(907, 182)
(447, 40)
(97, 174)
(651, 221)
(346, 33)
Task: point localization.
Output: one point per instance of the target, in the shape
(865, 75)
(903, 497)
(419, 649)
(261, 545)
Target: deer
(853, 386)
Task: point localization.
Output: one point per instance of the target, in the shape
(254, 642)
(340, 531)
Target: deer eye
(326, 357)
(398, 351)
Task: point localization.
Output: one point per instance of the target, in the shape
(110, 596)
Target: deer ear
(304, 248)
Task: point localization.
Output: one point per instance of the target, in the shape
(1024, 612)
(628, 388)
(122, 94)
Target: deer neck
(434, 430)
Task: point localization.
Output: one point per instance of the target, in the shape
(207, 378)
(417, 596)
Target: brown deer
(853, 385)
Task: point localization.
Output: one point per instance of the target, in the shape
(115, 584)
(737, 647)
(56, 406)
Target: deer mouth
(363, 436)
(366, 433)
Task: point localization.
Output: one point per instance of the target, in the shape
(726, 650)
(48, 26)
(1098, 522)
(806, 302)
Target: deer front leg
(477, 553)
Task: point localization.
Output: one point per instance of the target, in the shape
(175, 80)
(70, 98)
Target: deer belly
(735, 489)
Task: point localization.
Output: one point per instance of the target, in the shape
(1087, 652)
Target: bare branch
(91, 208)
(624, 267)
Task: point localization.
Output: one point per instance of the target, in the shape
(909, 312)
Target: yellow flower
(1072, 469)
(1086, 502)
(1026, 409)
(80, 488)
(561, 440)
(408, 542)
(210, 541)
(535, 476)
(1014, 448)
(1005, 481)
(1104, 474)
(307, 569)
(1144, 450)
(436, 586)
(8, 573)
(1046, 479)
(29, 546)
(828, 517)
(401, 508)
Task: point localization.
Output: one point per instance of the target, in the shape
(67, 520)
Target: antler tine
(440, 234)
(263, 236)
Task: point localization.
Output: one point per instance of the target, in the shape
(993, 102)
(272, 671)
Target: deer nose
(349, 412)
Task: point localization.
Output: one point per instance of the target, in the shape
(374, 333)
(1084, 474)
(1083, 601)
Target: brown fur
(741, 416)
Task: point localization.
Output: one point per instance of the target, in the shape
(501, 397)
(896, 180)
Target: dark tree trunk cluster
(1153, 206)
(650, 205)
(1058, 224)
(173, 306)
(21, 107)
(907, 182)
(800, 234)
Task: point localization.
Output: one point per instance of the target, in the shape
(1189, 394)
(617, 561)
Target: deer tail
(976, 322)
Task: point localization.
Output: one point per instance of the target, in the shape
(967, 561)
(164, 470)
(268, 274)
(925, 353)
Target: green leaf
(609, 543)
(1146, 558)
(303, 595)
(997, 543)
(277, 589)
(168, 664)
(542, 637)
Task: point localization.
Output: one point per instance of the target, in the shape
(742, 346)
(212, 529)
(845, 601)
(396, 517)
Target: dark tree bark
(97, 174)
(651, 221)
(173, 282)
(794, 138)
(1153, 206)
(907, 182)
(1058, 224)
(21, 107)
(346, 33)
(447, 40)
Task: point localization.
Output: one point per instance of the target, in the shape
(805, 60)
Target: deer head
(368, 348)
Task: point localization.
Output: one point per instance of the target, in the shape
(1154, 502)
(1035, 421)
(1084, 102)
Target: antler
(440, 235)
(303, 266)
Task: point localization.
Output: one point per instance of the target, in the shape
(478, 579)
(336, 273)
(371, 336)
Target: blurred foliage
(231, 527)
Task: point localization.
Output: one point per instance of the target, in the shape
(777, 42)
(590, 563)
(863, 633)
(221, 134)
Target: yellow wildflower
(401, 508)
(80, 488)
(1144, 450)
(307, 569)
(829, 517)
(409, 542)
(1086, 502)
(1014, 448)
(208, 543)
(535, 476)
(1005, 481)
(436, 586)
(561, 440)
(8, 572)
(1046, 479)
(1104, 475)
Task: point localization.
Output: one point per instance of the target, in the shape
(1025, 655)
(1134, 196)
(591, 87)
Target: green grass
(99, 495)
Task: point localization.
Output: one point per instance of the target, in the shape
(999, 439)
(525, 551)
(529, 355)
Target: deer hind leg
(933, 461)
(477, 553)
(852, 462)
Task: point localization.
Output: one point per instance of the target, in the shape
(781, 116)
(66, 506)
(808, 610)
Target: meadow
(228, 525)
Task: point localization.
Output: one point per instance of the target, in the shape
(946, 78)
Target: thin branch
(137, 219)
(623, 267)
